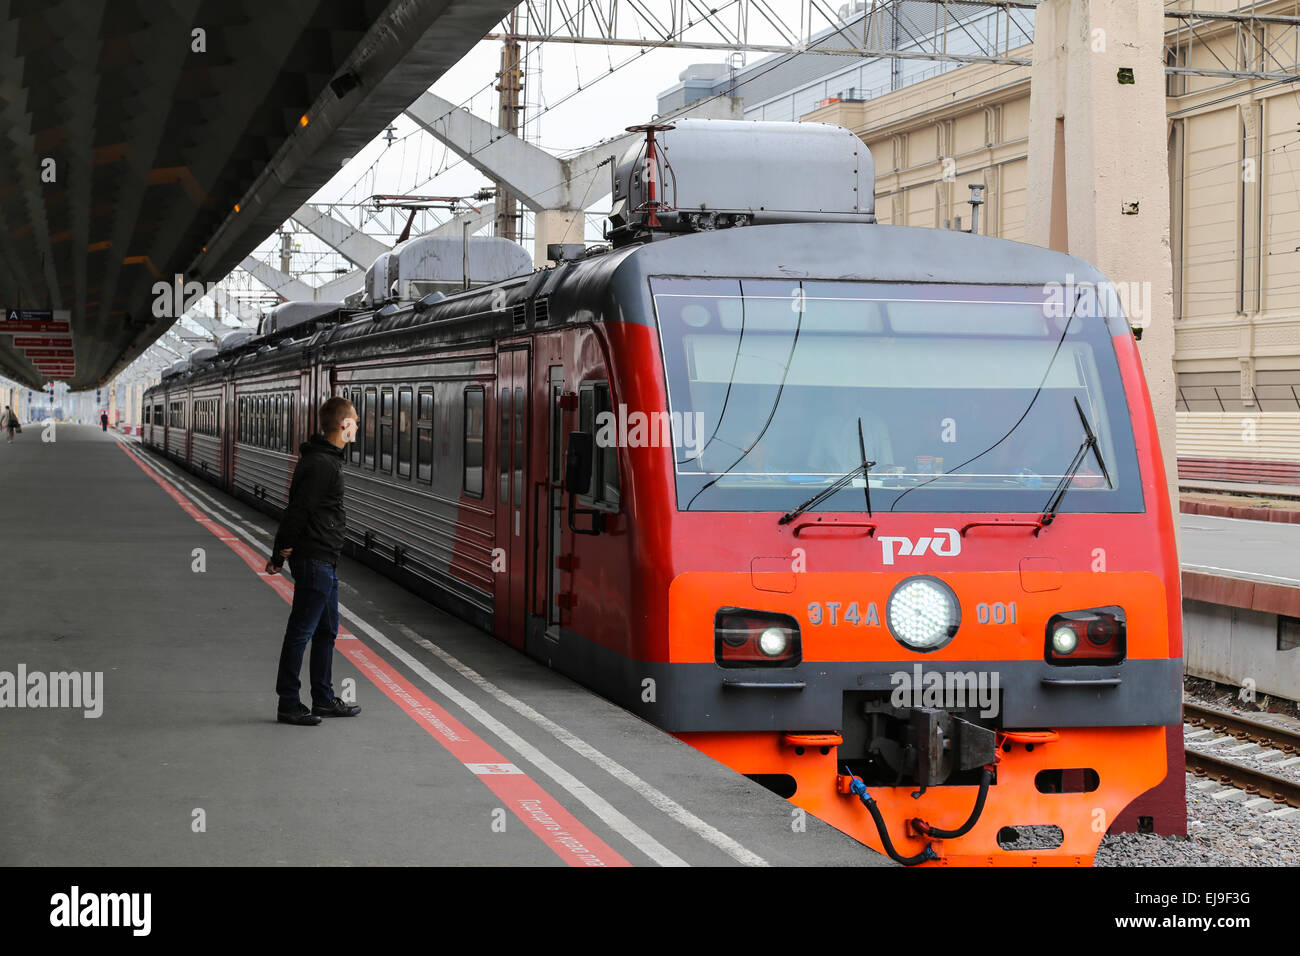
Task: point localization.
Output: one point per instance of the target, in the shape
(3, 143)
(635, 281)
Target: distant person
(103, 421)
(9, 422)
(311, 538)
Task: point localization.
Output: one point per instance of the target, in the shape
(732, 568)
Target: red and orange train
(873, 514)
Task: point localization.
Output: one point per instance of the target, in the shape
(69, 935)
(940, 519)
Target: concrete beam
(344, 238)
(234, 307)
(455, 225)
(534, 175)
(277, 281)
(342, 286)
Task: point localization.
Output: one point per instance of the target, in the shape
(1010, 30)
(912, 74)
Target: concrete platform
(1263, 551)
(466, 751)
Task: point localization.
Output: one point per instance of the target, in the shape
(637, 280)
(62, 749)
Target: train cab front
(924, 582)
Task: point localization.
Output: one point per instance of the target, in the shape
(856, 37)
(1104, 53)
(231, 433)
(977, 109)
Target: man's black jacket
(313, 522)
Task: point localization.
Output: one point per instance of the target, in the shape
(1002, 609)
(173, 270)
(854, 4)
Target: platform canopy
(141, 139)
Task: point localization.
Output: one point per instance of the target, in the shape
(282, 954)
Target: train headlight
(1064, 640)
(745, 638)
(1097, 635)
(773, 641)
(923, 613)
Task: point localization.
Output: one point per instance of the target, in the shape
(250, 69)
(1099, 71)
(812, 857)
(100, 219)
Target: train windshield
(963, 396)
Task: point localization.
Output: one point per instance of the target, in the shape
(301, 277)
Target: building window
(1288, 633)
(473, 452)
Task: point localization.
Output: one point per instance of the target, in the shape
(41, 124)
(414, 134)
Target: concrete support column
(1099, 168)
(1098, 188)
(556, 225)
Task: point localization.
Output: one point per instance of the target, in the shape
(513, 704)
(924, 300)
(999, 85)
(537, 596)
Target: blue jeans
(314, 618)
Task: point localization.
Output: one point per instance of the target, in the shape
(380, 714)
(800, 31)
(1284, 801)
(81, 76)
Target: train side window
(386, 431)
(606, 457)
(371, 414)
(473, 452)
(289, 402)
(243, 420)
(593, 400)
(424, 437)
(404, 433)
(277, 439)
(519, 448)
(503, 446)
(354, 450)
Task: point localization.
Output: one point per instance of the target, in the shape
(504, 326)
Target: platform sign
(41, 341)
(43, 321)
(9, 328)
(29, 315)
(48, 353)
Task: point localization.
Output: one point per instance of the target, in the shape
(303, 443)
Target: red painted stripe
(539, 811)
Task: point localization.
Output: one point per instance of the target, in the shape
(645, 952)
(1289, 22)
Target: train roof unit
(234, 339)
(414, 268)
(696, 175)
(294, 315)
(202, 356)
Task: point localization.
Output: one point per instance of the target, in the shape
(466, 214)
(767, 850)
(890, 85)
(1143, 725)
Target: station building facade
(1234, 174)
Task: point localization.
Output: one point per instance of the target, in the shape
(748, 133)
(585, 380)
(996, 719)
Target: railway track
(1255, 782)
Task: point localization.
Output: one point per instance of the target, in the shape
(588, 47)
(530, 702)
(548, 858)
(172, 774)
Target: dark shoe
(302, 717)
(335, 708)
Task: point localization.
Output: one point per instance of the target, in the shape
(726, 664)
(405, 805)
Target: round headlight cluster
(1064, 640)
(773, 641)
(923, 613)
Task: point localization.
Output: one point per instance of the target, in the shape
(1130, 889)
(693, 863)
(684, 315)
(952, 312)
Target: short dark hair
(333, 411)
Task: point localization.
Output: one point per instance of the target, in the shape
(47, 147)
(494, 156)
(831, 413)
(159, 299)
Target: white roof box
(202, 354)
(376, 287)
(234, 339)
(286, 315)
(179, 366)
(738, 172)
(427, 264)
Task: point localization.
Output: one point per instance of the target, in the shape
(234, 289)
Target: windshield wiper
(862, 469)
(1089, 441)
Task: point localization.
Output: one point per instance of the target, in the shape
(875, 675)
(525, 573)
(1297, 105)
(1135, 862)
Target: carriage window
(424, 438)
(289, 401)
(595, 416)
(519, 447)
(503, 446)
(473, 477)
(276, 421)
(354, 450)
(369, 442)
(404, 433)
(386, 432)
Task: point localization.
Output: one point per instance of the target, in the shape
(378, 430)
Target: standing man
(103, 421)
(311, 537)
(9, 422)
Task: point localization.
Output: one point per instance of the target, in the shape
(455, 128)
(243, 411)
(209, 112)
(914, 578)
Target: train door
(511, 506)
